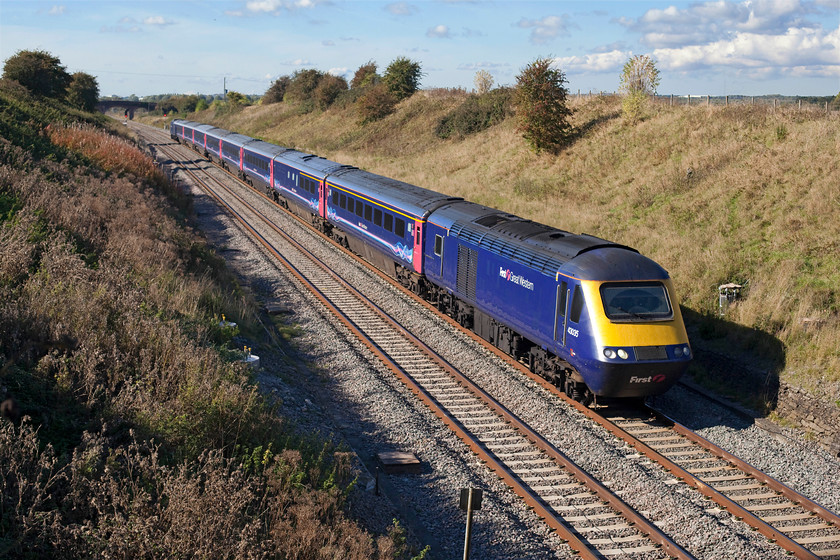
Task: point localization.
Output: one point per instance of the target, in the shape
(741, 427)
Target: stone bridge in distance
(130, 106)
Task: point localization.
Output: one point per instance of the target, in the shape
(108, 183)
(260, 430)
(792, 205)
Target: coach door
(417, 255)
(561, 315)
(322, 198)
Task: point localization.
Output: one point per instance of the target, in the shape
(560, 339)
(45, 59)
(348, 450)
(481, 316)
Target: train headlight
(613, 353)
(686, 351)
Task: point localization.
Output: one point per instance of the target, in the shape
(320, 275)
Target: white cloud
(338, 71)
(547, 28)
(156, 20)
(56, 10)
(439, 32)
(400, 9)
(706, 22)
(798, 49)
(594, 63)
(483, 65)
(275, 6)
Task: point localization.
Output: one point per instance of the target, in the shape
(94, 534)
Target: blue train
(595, 318)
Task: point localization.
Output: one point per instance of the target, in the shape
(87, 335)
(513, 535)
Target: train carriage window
(377, 217)
(577, 305)
(399, 227)
(389, 222)
(343, 201)
(360, 208)
(335, 198)
(368, 212)
(438, 245)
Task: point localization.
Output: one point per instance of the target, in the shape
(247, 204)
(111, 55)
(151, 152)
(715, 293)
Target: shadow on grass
(740, 363)
(581, 131)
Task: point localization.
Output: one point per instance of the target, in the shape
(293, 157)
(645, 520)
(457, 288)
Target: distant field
(744, 194)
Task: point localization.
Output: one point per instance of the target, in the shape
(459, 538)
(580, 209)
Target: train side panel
(380, 233)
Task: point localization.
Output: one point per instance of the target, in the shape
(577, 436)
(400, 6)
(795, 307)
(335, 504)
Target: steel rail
(642, 524)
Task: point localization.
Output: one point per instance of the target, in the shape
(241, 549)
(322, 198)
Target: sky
(719, 47)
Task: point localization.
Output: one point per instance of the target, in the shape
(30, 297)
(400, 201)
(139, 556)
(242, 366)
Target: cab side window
(577, 305)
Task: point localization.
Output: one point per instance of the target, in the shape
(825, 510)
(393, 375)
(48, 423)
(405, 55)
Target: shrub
(39, 72)
(541, 106)
(476, 113)
(402, 77)
(328, 89)
(365, 76)
(277, 91)
(302, 87)
(483, 81)
(83, 92)
(639, 80)
(634, 106)
(375, 103)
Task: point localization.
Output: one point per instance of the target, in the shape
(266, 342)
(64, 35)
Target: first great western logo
(516, 278)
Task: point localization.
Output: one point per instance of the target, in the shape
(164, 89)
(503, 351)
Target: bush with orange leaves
(109, 152)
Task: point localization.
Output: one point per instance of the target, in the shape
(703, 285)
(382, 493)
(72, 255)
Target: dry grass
(142, 437)
(715, 194)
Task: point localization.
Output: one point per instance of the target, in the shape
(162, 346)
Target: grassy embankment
(137, 432)
(715, 194)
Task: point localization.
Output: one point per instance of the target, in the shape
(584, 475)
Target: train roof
(237, 139)
(411, 199)
(265, 149)
(212, 130)
(309, 163)
(544, 248)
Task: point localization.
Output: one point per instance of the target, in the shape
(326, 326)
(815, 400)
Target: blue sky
(720, 47)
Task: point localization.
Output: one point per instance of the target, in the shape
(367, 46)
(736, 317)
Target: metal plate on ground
(399, 462)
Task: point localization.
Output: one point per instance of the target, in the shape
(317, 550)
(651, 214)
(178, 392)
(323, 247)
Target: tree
(639, 75)
(236, 99)
(639, 80)
(402, 77)
(541, 106)
(365, 76)
(39, 72)
(302, 86)
(83, 92)
(277, 91)
(328, 89)
(375, 103)
(483, 82)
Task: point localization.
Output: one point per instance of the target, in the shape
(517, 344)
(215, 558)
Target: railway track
(594, 521)
(798, 525)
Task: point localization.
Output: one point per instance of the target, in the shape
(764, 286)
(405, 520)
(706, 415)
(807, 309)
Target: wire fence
(773, 102)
